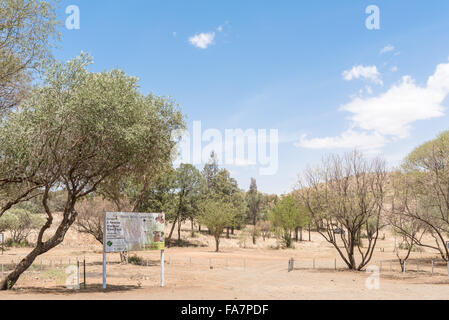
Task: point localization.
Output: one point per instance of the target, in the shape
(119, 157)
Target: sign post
(104, 249)
(130, 231)
(162, 268)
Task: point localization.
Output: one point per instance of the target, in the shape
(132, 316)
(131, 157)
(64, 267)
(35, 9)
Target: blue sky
(310, 69)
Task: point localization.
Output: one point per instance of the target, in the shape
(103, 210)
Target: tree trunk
(310, 239)
(296, 234)
(179, 230)
(199, 228)
(172, 228)
(254, 229)
(300, 234)
(217, 244)
(227, 232)
(193, 230)
(68, 219)
(12, 278)
(232, 230)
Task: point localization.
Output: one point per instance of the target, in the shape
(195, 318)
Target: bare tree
(90, 216)
(345, 196)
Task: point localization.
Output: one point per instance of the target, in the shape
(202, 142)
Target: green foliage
(216, 215)
(19, 223)
(79, 129)
(285, 218)
(136, 260)
(221, 187)
(26, 30)
(188, 183)
(423, 190)
(13, 244)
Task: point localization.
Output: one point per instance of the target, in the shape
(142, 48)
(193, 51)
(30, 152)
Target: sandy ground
(239, 271)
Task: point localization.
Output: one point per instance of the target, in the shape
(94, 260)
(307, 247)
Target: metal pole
(104, 250)
(162, 267)
(84, 272)
(77, 273)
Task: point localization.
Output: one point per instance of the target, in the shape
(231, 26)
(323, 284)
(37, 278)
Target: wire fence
(91, 266)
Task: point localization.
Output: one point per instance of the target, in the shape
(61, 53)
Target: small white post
(432, 267)
(104, 250)
(405, 266)
(335, 264)
(162, 268)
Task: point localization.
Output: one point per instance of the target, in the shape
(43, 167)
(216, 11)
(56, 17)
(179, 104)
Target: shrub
(19, 223)
(136, 260)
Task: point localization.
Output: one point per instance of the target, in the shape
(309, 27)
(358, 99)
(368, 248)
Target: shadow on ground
(61, 290)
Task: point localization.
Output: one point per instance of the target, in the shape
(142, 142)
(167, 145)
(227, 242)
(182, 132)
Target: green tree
(19, 223)
(423, 193)
(217, 215)
(188, 182)
(88, 126)
(302, 220)
(284, 219)
(27, 28)
(254, 200)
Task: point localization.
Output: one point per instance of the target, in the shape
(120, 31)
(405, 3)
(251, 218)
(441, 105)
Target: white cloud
(368, 72)
(377, 120)
(202, 40)
(347, 140)
(220, 28)
(387, 49)
(394, 69)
